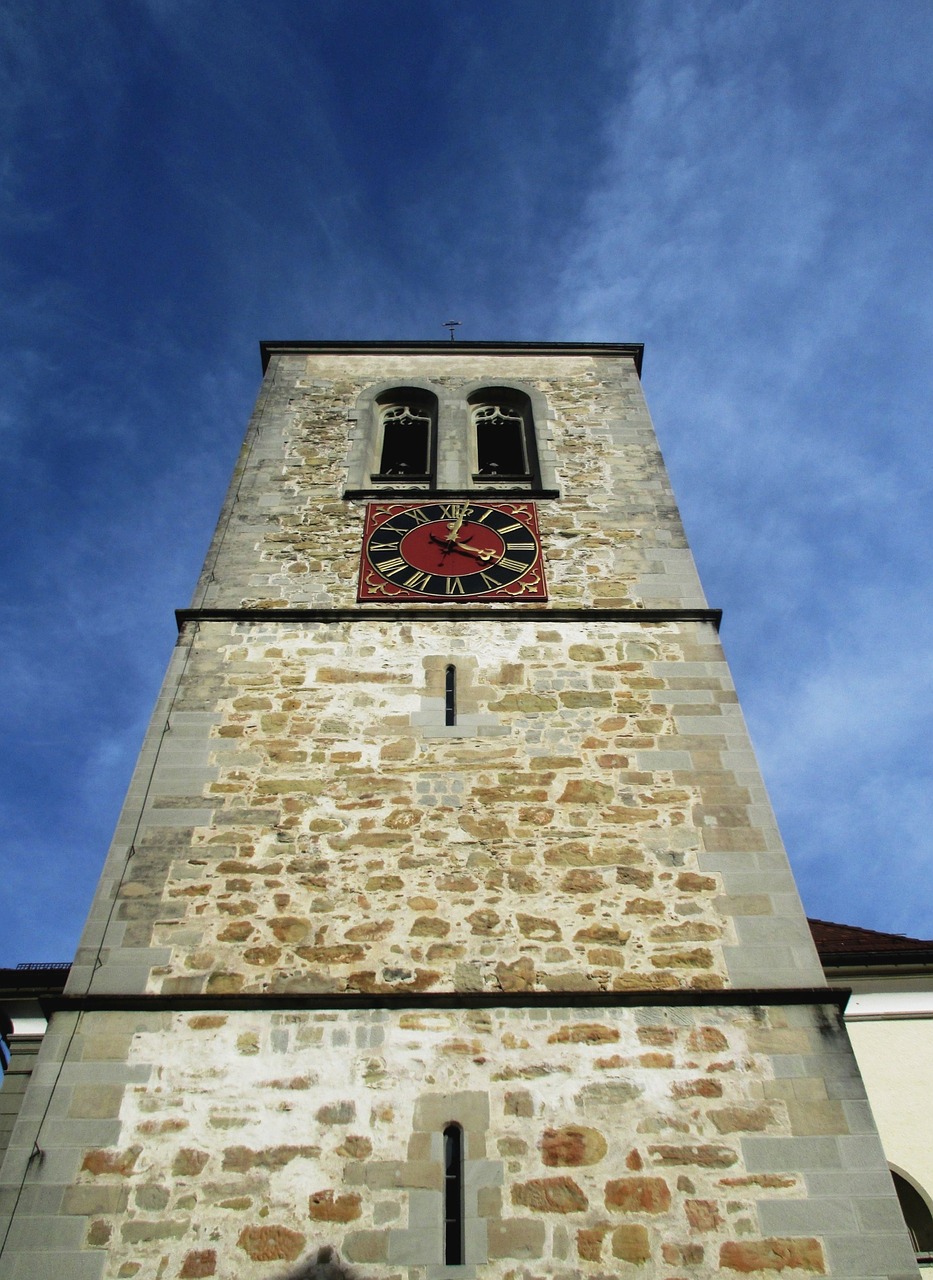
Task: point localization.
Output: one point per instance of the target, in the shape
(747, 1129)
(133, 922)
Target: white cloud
(755, 211)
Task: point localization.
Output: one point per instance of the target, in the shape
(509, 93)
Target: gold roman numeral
(520, 546)
(418, 516)
(418, 580)
(507, 528)
(453, 510)
(513, 566)
(389, 567)
(455, 586)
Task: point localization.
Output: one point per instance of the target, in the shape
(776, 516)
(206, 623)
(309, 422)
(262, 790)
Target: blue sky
(745, 187)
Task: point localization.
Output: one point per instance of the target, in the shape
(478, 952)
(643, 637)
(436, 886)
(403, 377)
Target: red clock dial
(451, 551)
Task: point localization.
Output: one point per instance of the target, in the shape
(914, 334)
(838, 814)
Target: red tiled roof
(847, 942)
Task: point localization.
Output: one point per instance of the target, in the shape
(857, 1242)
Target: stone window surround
(456, 451)
(383, 404)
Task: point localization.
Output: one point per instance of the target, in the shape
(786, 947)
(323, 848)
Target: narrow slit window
(453, 1195)
(450, 695)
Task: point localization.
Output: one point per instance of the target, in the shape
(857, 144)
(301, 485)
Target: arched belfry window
(406, 444)
(504, 436)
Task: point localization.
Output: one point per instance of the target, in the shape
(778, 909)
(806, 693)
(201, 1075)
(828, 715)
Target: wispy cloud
(759, 201)
(744, 186)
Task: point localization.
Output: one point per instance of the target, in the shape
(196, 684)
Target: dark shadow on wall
(324, 1265)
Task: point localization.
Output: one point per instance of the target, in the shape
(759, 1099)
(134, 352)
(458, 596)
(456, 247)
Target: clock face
(451, 551)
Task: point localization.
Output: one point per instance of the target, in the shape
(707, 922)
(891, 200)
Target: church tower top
(631, 350)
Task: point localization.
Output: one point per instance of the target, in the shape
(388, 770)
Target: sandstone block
(550, 1195)
(638, 1195)
(515, 1238)
(242, 1159)
(198, 1263)
(702, 1088)
(631, 1243)
(707, 1040)
(584, 1033)
(582, 881)
(519, 1102)
(483, 921)
(606, 934)
(337, 1113)
(572, 1145)
(742, 1119)
(366, 1246)
(189, 1162)
(658, 1037)
(120, 1163)
(326, 1206)
(355, 1147)
(804, 1254)
(538, 928)
(371, 931)
(429, 927)
(98, 1233)
(644, 907)
(518, 976)
(698, 958)
(586, 791)
(271, 1243)
(590, 1242)
(705, 1156)
(703, 1215)
(611, 1094)
(137, 1231)
(289, 928)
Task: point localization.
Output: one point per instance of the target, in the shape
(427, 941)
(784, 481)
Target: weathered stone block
(329, 1206)
(638, 1195)
(804, 1254)
(198, 1263)
(550, 1195)
(273, 1243)
(572, 1145)
(515, 1238)
(632, 1244)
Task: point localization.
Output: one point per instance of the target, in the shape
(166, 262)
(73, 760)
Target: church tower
(447, 932)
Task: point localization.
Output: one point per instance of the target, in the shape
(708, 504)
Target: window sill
(506, 492)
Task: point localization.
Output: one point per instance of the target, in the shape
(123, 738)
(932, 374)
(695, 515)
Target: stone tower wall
(331, 923)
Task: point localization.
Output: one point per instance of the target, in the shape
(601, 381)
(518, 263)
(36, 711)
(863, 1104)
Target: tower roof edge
(632, 350)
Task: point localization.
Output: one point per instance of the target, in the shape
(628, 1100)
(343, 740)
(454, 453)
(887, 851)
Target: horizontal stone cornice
(447, 613)
(582, 1000)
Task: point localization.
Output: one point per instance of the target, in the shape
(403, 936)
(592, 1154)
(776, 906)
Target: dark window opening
(450, 695)
(916, 1214)
(453, 1195)
(500, 442)
(504, 435)
(407, 426)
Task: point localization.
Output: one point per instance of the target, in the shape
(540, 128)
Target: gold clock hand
(460, 514)
(474, 551)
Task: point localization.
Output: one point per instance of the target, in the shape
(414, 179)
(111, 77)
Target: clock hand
(460, 514)
(485, 556)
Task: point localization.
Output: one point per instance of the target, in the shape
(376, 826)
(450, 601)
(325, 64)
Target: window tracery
(504, 436)
(407, 421)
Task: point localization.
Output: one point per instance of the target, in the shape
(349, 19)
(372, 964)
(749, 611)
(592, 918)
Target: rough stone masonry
(332, 923)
